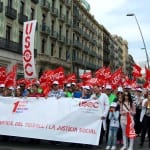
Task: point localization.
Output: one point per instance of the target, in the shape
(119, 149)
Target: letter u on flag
(130, 131)
(28, 49)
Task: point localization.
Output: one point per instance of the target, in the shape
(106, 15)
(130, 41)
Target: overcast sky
(112, 15)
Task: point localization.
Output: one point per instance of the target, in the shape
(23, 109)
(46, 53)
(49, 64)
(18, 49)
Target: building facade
(66, 35)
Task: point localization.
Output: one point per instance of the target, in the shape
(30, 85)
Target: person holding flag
(127, 111)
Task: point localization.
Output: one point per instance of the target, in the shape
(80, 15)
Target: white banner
(28, 49)
(65, 119)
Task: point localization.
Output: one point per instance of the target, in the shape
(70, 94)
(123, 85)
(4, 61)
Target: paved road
(45, 145)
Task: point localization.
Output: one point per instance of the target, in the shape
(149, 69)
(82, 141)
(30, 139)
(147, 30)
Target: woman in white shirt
(127, 106)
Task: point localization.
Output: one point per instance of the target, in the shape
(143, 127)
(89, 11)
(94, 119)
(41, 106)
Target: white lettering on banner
(57, 120)
(28, 49)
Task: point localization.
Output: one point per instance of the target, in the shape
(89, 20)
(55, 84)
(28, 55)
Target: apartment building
(66, 35)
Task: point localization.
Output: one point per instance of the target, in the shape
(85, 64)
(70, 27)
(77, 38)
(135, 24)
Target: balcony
(77, 44)
(10, 12)
(77, 29)
(10, 46)
(77, 60)
(62, 17)
(1, 6)
(44, 29)
(22, 18)
(45, 5)
(53, 34)
(86, 36)
(35, 1)
(85, 49)
(68, 3)
(61, 38)
(68, 42)
(68, 22)
(44, 58)
(54, 11)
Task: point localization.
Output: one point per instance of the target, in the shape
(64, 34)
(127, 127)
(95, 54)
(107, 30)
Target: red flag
(10, 80)
(100, 72)
(2, 74)
(116, 77)
(86, 76)
(136, 71)
(70, 78)
(130, 131)
(92, 81)
(147, 73)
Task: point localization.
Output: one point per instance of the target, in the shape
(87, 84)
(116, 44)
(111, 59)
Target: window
(60, 10)
(22, 7)
(67, 55)
(52, 26)
(52, 49)
(8, 32)
(67, 33)
(60, 30)
(43, 46)
(53, 3)
(10, 3)
(20, 37)
(67, 15)
(32, 14)
(60, 51)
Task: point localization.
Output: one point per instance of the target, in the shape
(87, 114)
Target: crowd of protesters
(115, 105)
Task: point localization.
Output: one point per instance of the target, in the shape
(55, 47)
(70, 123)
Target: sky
(112, 15)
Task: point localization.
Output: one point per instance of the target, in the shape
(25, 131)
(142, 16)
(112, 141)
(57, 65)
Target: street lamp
(147, 57)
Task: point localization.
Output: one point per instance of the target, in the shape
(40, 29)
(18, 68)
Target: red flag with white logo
(2, 74)
(130, 131)
(136, 71)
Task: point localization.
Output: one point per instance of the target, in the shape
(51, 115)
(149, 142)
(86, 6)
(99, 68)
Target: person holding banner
(113, 126)
(103, 101)
(127, 108)
(145, 119)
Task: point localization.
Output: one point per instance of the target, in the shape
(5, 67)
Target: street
(23, 144)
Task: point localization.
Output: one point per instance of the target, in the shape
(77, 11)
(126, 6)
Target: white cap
(127, 87)
(18, 87)
(11, 88)
(73, 83)
(68, 85)
(113, 104)
(55, 82)
(2, 85)
(120, 89)
(139, 89)
(87, 87)
(108, 86)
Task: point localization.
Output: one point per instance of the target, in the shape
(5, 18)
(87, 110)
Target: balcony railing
(77, 44)
(68, 42)
(62, 17)
(35, 1)
(68, 22)
(45, 29)
(53, 34)
(77, 60)
(10, 46)
(22, 18)
(11, 12)
(45, 5)
(1, 6)
(61, 38)
(68, 3)
(77, 29)
(54, 11)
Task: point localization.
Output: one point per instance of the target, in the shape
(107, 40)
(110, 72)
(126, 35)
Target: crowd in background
(115, 106)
